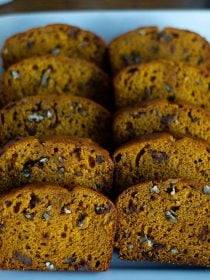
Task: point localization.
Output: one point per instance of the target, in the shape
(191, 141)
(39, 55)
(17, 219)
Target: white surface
(3, 2)
(108, 25)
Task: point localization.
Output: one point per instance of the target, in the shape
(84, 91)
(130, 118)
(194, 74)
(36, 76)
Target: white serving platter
(110, 24)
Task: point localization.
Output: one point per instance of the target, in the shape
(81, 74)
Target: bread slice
(159, 116)
(56, 39)
(150, 43)
(50, 116)
(46, 227)
(174, 81)
(165, 222)
(62, 160)
(54, 75)
(159, 157)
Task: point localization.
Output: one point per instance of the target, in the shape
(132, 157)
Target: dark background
(19, 6)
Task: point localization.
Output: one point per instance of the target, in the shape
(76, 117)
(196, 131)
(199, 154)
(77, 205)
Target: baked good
(54, 75)
(150, 43)
(50, 115)
(62, 160)
(174, 81)
(50, 228)
(158, 116)
(165, 222)
(159, 157)
(56, 39)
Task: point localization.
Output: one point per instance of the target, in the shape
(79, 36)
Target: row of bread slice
(74, 230)
(160, 221)
(166, 69)
(80, 161)
(39, 86)
(62, 169)
(63, 160)
(161, 96)
(161, 156)
(158, 80)
(41, 230)
(71, 162)
(192, 87)
(51, 95)
(140, 45)
(163, 221)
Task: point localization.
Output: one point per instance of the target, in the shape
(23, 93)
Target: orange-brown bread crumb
(159, 157)
(46, 227)
(159, 116)
(165, 222)
(150, 43)
(174, 81)
(55, 39)
(50, 116)
(54, 75)
(62, 160)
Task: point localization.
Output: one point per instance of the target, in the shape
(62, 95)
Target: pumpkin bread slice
(165, 222)
(51, 116)
(46, 227)
(159, 116)
(150, 43)
(159, 157)
(55, 39)
(63, 160)
(170, 80)
(54, 75)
